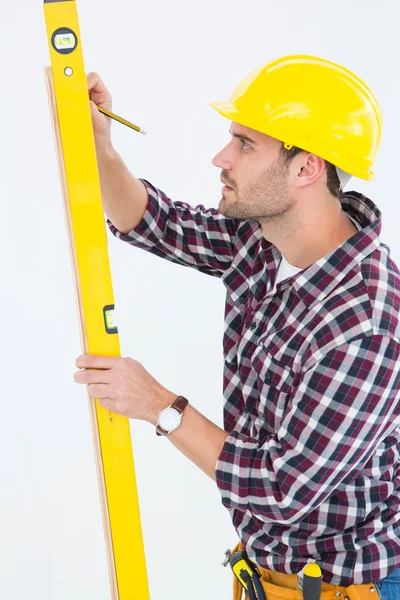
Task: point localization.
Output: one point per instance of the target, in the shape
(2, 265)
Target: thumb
(99, 120)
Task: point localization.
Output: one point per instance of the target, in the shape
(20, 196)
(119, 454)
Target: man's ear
(310, 167)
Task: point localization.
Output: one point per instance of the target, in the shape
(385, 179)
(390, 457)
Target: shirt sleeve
(344, 405)
(190, 236)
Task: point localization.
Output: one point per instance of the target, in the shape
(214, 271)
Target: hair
(332, 179)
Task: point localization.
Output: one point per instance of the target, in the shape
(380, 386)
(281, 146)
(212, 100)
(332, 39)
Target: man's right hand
(123, 196)
(99, 95)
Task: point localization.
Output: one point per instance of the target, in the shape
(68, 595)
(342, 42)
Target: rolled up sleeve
(196, 237)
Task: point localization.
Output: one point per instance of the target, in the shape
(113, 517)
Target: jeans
(389, 587)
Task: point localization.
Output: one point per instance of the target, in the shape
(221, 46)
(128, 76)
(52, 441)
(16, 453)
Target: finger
(93, 376)
(94, 361)
(94, 82)
(97, 89)
(100, 391)
(107, 403)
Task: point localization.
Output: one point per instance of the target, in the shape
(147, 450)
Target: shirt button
(253, 325)
(267, 376)
(242, 300)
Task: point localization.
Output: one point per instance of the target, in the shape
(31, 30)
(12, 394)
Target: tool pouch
(282, 586)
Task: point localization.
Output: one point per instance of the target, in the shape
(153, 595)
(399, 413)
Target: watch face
(169, 419)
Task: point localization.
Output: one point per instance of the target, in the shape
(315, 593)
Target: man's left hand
(123, 386)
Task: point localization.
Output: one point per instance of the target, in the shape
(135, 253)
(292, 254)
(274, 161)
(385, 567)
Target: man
(308, 462)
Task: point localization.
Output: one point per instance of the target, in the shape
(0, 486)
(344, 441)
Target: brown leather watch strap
(179, 404)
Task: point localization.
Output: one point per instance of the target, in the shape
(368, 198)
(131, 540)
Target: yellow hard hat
(314, 104)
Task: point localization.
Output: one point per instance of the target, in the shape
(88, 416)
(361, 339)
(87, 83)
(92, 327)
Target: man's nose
(222, 160)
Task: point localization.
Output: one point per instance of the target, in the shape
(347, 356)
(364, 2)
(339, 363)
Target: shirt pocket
(275, 383)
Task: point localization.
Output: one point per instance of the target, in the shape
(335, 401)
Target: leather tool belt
(283, 586)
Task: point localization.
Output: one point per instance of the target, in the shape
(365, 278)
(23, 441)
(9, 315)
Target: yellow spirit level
(73, 129)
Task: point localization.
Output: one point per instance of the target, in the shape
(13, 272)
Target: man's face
(252, 168)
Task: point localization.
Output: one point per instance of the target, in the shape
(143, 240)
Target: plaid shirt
(310, 470)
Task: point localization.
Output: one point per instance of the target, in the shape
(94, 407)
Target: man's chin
(227, 199)
(223, 208)
(230, 210)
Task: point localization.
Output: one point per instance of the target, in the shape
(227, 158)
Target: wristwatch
(170, 418)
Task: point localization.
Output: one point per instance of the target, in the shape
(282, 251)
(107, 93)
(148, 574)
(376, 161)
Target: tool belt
(283, 586)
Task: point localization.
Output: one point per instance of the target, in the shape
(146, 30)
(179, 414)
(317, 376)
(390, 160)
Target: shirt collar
(315, 282)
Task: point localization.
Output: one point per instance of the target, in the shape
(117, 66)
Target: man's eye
(244, 142)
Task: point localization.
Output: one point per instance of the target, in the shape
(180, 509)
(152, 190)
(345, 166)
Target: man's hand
(123, 386)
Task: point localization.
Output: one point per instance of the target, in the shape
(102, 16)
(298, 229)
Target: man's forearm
(198, 438)
(124, 197)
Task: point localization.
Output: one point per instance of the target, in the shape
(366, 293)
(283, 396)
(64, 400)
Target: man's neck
(303, 246)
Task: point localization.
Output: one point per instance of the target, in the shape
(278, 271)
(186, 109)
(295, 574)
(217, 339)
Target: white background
(163, 62)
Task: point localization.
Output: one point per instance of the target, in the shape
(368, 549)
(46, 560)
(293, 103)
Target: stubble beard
(263, 199)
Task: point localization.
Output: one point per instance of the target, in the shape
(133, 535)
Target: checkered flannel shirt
(310, 469)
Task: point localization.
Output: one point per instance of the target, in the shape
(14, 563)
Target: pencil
(121, 120)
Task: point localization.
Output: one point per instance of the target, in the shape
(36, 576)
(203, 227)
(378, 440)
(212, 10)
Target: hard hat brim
(226, 109)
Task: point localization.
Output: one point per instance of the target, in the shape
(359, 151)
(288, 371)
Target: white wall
(163, 62)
